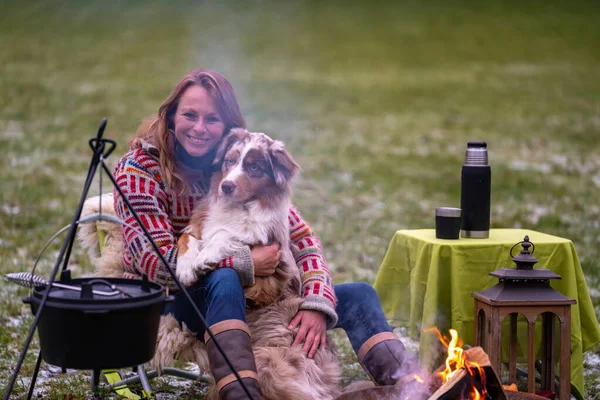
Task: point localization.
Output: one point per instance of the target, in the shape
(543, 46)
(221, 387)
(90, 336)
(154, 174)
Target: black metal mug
(447, 222)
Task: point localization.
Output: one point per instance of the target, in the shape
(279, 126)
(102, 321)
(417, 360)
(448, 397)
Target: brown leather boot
(234, 338)
(385, 360)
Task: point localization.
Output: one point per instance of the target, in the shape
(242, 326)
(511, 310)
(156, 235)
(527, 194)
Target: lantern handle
(523, 241)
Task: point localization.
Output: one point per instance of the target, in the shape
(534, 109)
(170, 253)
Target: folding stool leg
(148, 394)
(119, 385)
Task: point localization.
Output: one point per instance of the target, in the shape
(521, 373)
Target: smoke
(259, 47)
(431, 351)
(414, 382)
(417, 390)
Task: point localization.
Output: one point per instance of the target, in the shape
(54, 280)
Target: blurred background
(376, 101)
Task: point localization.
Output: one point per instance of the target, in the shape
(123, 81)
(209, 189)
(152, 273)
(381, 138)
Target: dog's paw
(203, 264)
(189, 249)
(187, 258)
(186, 274)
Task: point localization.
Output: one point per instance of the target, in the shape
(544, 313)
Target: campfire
(465, 374)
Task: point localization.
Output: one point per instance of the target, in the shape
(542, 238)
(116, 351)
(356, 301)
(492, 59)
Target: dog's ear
(284, 166)
(228, 140)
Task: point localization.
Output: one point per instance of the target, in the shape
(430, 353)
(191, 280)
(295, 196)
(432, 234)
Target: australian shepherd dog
(248, 204)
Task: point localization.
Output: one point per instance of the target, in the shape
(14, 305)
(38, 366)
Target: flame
(457, 360)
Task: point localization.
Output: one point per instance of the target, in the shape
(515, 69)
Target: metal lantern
(525, 290)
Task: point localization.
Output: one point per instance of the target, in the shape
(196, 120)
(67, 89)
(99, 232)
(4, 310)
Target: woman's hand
(312, 332)
(265, 259)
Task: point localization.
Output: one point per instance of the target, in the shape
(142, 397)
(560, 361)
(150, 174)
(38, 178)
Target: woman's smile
(197, 140)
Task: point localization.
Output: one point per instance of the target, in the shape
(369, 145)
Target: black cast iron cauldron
(85, 330)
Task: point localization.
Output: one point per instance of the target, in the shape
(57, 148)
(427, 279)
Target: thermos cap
(476, 154)
(477, 144)
(447, 212)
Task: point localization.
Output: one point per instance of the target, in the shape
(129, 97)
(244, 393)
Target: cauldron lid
(123, 291)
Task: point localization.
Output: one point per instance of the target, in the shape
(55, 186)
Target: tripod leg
(35, 374)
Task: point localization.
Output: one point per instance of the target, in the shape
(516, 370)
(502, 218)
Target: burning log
(466, 374)
(475, 380)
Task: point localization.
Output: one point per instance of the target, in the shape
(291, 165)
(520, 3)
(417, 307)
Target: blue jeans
(220, 296)
(359, 312)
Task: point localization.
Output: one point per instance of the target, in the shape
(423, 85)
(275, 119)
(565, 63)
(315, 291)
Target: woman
(164, 174)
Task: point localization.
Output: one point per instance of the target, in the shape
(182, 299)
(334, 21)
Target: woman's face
(198, 125)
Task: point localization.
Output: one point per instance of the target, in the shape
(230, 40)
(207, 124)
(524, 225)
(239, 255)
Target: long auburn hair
(156, 129)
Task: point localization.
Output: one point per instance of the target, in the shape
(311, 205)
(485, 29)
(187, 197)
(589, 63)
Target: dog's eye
(253, 167)
(228, 161)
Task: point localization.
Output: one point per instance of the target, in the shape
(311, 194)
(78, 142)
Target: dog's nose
(228, 187)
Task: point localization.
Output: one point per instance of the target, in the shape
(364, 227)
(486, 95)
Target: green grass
(375, 100)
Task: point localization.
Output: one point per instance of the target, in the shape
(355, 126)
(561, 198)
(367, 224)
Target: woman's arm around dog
(317, 312)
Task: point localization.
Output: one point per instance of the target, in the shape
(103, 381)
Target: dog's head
(253, 167)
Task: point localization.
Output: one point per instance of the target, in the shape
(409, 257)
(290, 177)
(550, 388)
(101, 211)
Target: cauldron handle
(107, 283)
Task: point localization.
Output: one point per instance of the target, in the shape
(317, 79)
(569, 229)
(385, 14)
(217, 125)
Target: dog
(248, 204)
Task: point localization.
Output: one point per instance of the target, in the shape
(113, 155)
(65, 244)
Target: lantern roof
(523, 284)
(525, 274)
(527, 293)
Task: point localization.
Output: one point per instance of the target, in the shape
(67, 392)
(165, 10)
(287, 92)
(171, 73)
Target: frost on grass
(411, 345)
(13, 131)
(591, 368)
(14, 322)
(591, 363)
(11, 210)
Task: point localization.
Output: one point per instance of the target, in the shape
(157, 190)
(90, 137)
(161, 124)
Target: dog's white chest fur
(225, 232)
(251, 226)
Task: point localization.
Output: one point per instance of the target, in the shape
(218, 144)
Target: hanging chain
(100, 173)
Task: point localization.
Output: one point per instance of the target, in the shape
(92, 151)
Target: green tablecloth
(425, 282)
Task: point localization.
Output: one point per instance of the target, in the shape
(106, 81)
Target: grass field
(376, 101)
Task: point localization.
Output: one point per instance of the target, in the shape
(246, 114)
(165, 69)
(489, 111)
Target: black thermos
(475, 192)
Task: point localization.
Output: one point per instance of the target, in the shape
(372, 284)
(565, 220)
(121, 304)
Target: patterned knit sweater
(165, 214)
